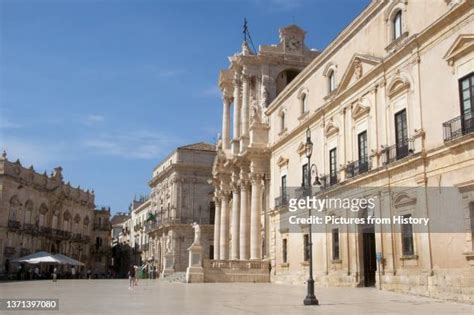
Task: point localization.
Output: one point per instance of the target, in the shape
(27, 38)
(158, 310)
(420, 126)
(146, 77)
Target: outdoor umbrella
(68, 260)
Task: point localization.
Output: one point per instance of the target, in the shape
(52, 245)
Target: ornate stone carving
(197, 234)
(256, 114)
(357, 68)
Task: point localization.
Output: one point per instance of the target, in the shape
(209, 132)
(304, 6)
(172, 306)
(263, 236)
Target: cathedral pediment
(358, 67)
(461, 46)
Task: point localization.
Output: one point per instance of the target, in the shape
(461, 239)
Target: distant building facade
(180, 195)
(40, 212)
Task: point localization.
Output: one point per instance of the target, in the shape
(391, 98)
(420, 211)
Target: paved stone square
(158, 297)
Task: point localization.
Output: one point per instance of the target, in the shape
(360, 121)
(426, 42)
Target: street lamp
(310, 298)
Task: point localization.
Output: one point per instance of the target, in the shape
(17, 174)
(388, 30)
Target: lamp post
(310, 298)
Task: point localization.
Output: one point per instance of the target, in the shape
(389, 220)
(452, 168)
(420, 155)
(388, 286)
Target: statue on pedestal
(197, 234)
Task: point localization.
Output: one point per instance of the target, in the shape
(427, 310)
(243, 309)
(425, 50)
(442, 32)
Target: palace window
(333, 166)
(335, 244)
(407, 238)
(285, 250)
(331, 81)
(363, 154)
(306, 247)
(282, 122)
(466, 90)
(401, 134)
(283, 189)
(304, 103)
(471, 215)
(397, 25)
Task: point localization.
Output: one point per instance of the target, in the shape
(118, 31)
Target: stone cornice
(466, 8)
(371, 10)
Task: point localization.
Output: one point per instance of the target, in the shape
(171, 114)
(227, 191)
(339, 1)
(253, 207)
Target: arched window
(331, 81)
(282, 122)
(304, 103)
(397, 24)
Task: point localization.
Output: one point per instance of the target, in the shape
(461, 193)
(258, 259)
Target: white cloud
(93, 119)
(43, 156)
(137, 144)
(212, 91)
(5, 123)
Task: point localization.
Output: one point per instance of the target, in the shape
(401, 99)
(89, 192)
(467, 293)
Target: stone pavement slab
(157, 297)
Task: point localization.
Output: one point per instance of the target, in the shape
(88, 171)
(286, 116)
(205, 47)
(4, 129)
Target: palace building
(180, 195)
(388, 106)
(40, 212)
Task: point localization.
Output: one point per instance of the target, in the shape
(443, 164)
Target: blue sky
(108, 88)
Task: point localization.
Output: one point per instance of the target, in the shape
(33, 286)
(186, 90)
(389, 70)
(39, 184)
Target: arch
(360, 109)
(303, 98)
(398, 84)
(395, 17)
(29, 211)
(330, 128)
(77, 219)
(15, 208)
(284, 78)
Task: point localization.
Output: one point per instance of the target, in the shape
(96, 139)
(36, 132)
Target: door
(370, 261)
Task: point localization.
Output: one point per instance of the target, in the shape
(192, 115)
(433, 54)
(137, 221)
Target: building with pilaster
(388, 106)
(181, 195)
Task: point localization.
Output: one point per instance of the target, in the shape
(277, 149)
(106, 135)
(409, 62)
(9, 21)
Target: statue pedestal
(169, 265)
(195, 272)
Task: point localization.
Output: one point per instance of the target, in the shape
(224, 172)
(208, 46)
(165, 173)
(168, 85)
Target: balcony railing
(458, 127)
(329, 180)
(14, 225)
(282, 200)
(398, 151)
(358, 167)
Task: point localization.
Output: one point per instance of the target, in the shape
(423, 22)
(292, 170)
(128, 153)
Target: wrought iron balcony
(47, 231)
(76, 237)
(329, 180)
(30, 228)
(358, 167)
(9, 251)
(458, 127)
(281, 201)
(14, 225)
(398, 151)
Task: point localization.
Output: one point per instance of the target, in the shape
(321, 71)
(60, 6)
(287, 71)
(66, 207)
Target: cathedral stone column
(245, 112)
(237, 105)
(226, 122)
(224, 231)
(217, 226)
(244, 221)
(235, 221)
(255, 213)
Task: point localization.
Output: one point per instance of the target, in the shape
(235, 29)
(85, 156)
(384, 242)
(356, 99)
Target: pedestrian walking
(55, 274)
(131, 277)
(73, 272)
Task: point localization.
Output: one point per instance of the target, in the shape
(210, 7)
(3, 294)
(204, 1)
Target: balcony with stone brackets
(329, 180)
(458, 127)
(398, 151)
(14, 225)
(356, 168)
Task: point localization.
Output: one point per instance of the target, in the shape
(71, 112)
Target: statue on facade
(256, 115)
(197, 234)
(357, 68)
(168, 244)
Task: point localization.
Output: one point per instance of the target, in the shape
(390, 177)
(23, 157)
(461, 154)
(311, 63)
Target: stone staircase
(179, 277)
